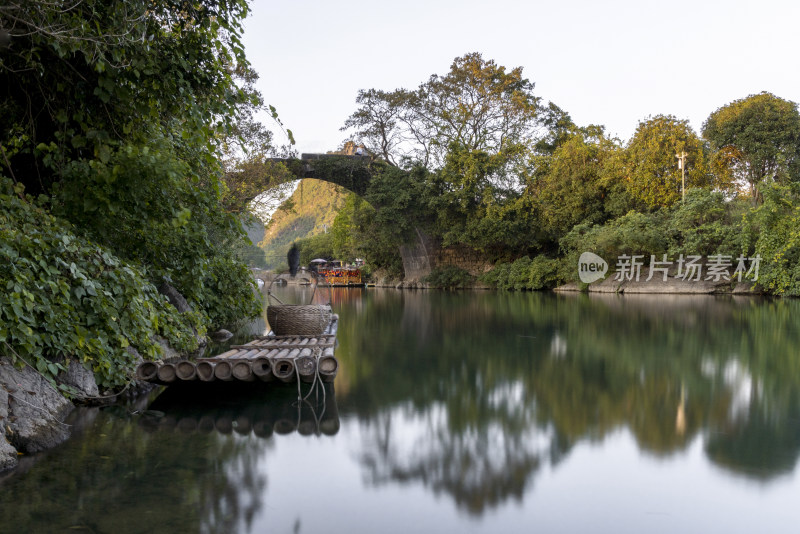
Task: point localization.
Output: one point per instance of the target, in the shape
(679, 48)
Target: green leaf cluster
(540, 272)
(113, 117)
(758, 138)
(449, 277)
(65, 296)
(488, 166)
(773, 231)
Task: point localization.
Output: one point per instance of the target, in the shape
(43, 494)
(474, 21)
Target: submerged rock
(221, 335)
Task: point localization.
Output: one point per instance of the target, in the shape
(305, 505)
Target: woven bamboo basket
(298, 319)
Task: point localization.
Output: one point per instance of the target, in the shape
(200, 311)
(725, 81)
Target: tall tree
(114, 111)
(377, 122)
(651, 167)
(758, 137)
(478, 106)
(571, 189)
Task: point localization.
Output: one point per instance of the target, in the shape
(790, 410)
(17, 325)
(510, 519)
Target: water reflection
(470, 395)
(578, 409)
(244, 409)
(189, 461)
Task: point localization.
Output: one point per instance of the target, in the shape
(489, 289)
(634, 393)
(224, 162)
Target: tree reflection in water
(185, 463)
(473, 393)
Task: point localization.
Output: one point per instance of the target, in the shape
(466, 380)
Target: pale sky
(604, 62)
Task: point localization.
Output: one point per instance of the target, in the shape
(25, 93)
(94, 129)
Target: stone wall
(464, 258)
(420, 257)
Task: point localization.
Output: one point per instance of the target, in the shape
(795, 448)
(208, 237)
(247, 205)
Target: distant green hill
(316, 204)
(255, 230)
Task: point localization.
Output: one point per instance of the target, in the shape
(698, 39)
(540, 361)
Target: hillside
(315, 205)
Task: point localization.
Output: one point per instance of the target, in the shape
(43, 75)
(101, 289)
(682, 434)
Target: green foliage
(66, 296)
(229, 292)
(252, 256)
(163, 217)
(348, 172)
(345, 229)
(524, 273)
(113, 112)
(508, 191)
(400, 195)
(316, 246)
(651, 168)
(773, 230)
(706, 224)
(758, 137)
(571, 190)
(449, 277)
(478, 105)
(82, 81)
(634, 233)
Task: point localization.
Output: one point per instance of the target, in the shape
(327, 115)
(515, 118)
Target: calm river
(462, 412)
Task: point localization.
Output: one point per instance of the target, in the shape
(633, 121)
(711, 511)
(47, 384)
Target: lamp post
(682, 166)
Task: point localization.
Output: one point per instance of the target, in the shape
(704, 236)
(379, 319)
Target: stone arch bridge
(355, 172)
(352, 172)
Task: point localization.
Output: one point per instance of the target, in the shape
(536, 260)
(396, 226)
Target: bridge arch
(355, 173)
(352, 172)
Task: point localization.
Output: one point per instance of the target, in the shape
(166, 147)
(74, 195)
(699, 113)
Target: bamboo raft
(271, 358)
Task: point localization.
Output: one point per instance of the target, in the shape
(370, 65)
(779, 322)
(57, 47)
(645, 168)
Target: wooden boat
(337, 275)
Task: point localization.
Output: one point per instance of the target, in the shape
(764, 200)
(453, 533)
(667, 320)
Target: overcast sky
(612, 62)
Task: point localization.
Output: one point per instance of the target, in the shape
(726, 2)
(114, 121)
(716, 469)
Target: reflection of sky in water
(602, 487)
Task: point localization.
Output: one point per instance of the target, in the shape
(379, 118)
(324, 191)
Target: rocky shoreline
(33, 411)
(672, 286)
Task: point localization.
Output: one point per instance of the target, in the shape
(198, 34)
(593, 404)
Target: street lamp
(682, 166)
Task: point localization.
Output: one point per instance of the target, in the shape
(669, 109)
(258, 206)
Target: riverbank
(672, 286)
(33, 407)
(33, 412)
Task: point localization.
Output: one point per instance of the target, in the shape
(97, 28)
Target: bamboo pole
(166, 373)
(147, 371)
(283, 369)
(262, 369)
(328, 365)
(243, 370)
(306, 368)
(205, 371)
(223, 371)
(226, 354)
(186, 370)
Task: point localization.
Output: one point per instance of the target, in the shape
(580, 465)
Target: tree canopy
(114, 115)
(477, 105)
(651, 167)
(758, 137)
